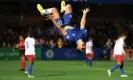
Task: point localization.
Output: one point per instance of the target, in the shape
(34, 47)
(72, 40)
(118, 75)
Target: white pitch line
(98, 69)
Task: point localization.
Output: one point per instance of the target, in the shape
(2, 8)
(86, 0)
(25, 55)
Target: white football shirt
(118, 48)
(89, 46)
(29, 46)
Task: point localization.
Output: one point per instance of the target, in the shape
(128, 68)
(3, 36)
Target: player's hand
(85, 10)
(124, 54)
(113, 55)
(17, 46)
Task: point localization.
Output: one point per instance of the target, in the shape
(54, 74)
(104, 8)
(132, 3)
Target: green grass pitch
(64, 70)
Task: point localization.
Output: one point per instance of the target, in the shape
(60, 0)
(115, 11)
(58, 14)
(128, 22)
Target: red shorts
(119, 58)
(89, 55)
(30, 57)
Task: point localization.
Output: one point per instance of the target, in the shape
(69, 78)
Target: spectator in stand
(60, 43)
(46, 44)
(109, 43)
(52, 44)
(37, 43)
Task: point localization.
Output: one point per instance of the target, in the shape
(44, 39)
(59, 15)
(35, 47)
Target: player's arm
(17, 46)
(91, 45)
(25, 42)
(57, 25)
(86, 45)
(123, 52)
(122, 44)
(33, 42)
(83, 20)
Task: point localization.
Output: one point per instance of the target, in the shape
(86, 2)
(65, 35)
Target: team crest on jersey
(73, 34)
(85, 30)
(70, 15)
(67, 36)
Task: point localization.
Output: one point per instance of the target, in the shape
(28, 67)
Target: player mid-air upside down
(70, 33)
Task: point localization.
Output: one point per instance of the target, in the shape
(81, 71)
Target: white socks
(47, 11)
(64, 8)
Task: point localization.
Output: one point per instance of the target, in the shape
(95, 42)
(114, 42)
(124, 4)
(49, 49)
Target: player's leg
(56, 16)
(86, 60)
(29, 69)
(30, 66)
(63, 4)
(122, 71)
(90, 59)
(67, 15)
(43, 11)
(22, 58)
(23, 63)
(52, 11)
(119, 62)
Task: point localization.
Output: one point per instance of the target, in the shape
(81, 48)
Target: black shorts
(22, 53)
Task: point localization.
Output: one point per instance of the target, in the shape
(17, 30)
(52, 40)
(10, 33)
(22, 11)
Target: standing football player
(118, 55)
(89, 51)
(30, 53)
(22, 53)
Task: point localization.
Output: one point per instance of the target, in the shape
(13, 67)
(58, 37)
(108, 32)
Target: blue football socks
(122, 70)
(90, 62)
(87, 60)
(29, 69)
(114, 67)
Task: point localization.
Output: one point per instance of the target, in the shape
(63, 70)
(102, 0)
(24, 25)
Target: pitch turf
(64, 70)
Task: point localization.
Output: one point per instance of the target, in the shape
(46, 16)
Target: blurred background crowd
(104, 23)
(103, 32)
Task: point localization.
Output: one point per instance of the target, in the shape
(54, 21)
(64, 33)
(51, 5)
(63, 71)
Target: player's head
(90, 39)
(124, 35)
(30, 34)
(80, 46)
(21, 37)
